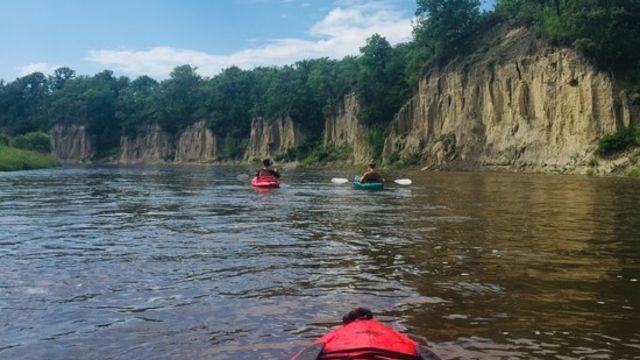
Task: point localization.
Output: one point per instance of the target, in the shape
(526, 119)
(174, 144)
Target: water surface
(190, 263)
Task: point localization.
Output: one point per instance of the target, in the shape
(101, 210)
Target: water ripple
(188, 262)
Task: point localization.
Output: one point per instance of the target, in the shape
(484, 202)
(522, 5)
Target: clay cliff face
(531, 106)
(344, 128)
(521, 104)
(153, 145)
(270, 137)
(71, 143)
(198, 144)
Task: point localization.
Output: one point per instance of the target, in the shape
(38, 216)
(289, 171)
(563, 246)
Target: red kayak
(265, 182)
(365, 339)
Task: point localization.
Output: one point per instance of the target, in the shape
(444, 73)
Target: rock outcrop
(344, 128)
(270, 137)
(198, 144)
(152, 145)
(525, 104)
(71, 143)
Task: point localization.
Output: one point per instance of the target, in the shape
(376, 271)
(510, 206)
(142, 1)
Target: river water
(191, 263)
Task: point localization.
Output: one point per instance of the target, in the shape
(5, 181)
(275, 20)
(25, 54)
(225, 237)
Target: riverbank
(623, 163)
(13, 159)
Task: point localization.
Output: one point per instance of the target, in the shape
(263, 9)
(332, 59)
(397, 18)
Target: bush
(395, 160)
(375, 138)
(392, 159)
(234, 148)
(35, 141)
(12, 159)
(619, 141)
(299, 152)
(4, 140)
(633, 172)
(326, 153)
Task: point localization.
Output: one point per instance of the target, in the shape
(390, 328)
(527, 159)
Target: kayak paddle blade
(242, 177)
(339, 181)
(403, 181)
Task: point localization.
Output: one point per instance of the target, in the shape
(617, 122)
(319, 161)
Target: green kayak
(374, 186)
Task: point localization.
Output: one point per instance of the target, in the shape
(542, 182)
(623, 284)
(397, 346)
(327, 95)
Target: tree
(380, 82)
(177, 103)
(226, 102)
(445, 25)
(68, 105)
(137, 105)
(608, 31)
(60, 77)
(324, 84)
(23, 105)
(101, 104)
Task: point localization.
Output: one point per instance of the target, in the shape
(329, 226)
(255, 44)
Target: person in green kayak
(371, 175)
(266, 169)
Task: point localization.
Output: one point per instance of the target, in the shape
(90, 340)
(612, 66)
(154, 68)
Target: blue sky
(135, 37)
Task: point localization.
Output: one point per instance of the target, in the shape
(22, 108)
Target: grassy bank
(633, 172)
(12, 159)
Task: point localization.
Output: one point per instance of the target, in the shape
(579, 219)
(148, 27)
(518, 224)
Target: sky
(151, 37)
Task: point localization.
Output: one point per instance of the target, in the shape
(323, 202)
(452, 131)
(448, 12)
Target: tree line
(383, 77)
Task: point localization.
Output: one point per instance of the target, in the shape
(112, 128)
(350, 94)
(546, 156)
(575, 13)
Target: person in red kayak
(267, 171)
(371, 175)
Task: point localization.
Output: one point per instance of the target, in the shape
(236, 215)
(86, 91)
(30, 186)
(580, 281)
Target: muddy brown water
(191, 263)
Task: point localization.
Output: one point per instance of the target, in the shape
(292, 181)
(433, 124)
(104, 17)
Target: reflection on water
(189, 262)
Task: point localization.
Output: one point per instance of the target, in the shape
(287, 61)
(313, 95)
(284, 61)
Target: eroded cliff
(345, 129)
(198, 144)
(152, 145)
(71, 143)
(524, 104)
(270, 137)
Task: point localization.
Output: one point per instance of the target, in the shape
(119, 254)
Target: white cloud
(42, 67)
(340, 33)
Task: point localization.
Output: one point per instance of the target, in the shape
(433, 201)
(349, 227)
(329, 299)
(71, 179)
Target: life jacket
(267, 173)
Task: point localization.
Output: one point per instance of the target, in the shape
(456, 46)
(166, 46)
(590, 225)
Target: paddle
(403, 181)
(340, 181)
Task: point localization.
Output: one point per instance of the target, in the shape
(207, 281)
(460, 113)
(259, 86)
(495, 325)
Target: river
(188, 262)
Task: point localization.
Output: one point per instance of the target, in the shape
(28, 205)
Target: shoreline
(625, 164)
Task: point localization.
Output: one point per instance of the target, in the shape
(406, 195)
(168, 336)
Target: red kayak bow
(365, 339)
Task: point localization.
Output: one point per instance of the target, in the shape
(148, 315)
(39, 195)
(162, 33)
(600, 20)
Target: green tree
(24, 100)
(226, 102)
(68, 104)
(380, 83)
(608, 31)
(137, 105)
(60, 77)
(177, 99)
(101, 103)
(444, 26)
